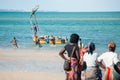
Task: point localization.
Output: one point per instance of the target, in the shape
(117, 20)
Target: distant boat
(42, 40)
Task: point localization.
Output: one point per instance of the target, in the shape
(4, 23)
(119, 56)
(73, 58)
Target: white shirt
(90, 59)
(108, 58)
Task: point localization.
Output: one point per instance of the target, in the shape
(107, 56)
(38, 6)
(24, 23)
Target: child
(14, 41)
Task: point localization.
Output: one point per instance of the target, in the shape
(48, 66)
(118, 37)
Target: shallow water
(98, 27)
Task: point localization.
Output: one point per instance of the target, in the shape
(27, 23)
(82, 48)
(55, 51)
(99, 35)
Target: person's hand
(118, 66)
(84, 49)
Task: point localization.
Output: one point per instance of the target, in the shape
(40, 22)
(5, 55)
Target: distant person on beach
(47, 39)
(35, 38)
(92, 72)
(34, 28)
(72, 46)
(53, 40)
(109, 59)
(66, 39)
(38, 43)
(14, 41)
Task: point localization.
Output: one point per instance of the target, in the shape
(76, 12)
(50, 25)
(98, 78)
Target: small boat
(51, 41)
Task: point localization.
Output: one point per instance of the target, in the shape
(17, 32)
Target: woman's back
(109, 58)
(90, 59)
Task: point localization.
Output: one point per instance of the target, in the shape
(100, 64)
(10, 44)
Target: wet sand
(19, 64)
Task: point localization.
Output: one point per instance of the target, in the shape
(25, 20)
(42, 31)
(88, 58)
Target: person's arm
(118, 66)
(77, 54)
(81, 60)
(101, 65)
(61, 53)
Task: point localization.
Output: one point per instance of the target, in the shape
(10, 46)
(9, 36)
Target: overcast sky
(62, 5)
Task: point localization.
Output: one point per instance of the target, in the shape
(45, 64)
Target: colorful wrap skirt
(93, 73)
(73, 74)
(111, 74)
(108, 74)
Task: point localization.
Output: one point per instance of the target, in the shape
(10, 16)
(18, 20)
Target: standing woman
(92, 72)
(75, 58)
(109, 58)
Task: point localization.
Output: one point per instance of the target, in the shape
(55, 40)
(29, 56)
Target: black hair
(111, 46)
(14, 37)
(91, 47)
(74, 38)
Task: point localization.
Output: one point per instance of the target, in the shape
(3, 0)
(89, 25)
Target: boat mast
(33, 19)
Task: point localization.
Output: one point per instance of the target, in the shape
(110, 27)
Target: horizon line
(12, 10)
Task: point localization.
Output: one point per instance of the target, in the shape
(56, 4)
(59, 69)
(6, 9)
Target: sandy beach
(31, 64)
(22, 75)
(19, 64)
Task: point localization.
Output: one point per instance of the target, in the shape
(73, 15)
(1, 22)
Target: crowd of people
(98, 67)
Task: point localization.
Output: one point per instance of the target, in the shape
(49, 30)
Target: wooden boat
(42, 41)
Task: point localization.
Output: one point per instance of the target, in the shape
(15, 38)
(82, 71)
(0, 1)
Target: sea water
(97, 27)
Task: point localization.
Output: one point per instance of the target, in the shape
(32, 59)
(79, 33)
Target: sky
(62, 5)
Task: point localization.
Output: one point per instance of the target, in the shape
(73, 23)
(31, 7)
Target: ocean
(97, 27)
